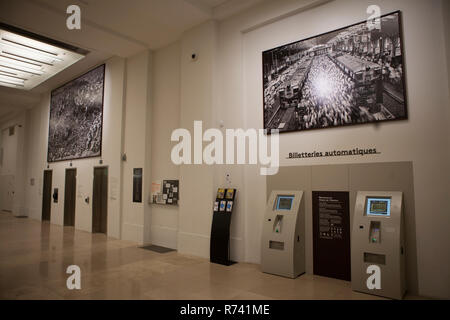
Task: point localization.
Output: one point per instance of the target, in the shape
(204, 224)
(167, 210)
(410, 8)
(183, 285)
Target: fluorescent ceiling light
(25, 58)
(20, 69)
(10, 79)
(9, 83)
(8, 74)
(20, 64)
(28, 59)
(35, 52)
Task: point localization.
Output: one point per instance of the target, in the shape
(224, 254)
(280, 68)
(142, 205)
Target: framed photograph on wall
(352, 75)
(76, 118)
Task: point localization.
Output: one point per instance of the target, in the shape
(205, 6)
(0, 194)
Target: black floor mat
(158, 249)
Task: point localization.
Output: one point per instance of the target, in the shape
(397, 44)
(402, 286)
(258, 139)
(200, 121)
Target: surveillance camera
(194, 57)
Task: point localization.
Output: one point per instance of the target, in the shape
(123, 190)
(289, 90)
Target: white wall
(423, 138)
(137, 145)
(36, 147)
(166, 118)
(36, 161)
(126, 129)
(9, 146)
(196, 98)
(231, 51)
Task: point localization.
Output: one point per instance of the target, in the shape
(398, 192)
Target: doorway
(7, 193)
(70, 197)
(100, 200)
(47, 195)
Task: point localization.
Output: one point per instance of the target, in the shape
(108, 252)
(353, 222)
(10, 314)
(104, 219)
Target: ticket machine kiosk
(283, 238)
(378, 240)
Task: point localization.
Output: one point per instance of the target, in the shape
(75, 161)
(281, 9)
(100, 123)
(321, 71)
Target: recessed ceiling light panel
(27, 59)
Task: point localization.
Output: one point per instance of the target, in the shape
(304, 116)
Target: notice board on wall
(331, 234)
(165, 192)
(170, 191)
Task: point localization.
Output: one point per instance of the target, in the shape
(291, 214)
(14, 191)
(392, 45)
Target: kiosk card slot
(278, 223)
(374, 258)
(375, 232)
(277, 245)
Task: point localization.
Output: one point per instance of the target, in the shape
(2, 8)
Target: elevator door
(47, 195)
(100, 201)
(69, 197)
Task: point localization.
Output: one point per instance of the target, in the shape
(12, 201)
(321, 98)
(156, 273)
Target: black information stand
(220, 229)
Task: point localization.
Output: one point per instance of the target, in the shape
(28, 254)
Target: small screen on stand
(378, 207)
(284, 202)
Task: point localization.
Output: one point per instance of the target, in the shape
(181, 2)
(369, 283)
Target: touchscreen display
(378, 207)
(284, 202)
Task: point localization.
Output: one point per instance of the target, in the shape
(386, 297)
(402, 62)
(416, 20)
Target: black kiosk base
(220, 229)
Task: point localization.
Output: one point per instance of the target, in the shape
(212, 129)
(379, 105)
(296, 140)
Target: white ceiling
(109, 27)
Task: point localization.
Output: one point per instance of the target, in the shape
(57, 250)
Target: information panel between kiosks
(283, 238)
(377, 244)
(220, 228)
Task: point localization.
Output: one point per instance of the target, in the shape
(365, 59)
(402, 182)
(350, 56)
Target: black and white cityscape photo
(348, 76)
(76, 118)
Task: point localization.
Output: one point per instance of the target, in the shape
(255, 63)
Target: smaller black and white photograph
(76, 118)
(349, 76)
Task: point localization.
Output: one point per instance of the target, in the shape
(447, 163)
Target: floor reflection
(34, 257)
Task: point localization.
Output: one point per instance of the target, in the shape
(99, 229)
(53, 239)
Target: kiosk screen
(378, 207)
(284, 202)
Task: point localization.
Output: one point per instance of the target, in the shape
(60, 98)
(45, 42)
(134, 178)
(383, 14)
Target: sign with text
(137, 185)
(331, 234)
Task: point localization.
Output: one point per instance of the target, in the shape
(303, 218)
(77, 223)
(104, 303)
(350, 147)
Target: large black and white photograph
(76, 118)
(349, 76)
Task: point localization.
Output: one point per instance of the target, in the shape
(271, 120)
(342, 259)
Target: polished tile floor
(34, 257)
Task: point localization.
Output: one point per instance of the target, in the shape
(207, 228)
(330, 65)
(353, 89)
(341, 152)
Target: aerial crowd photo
(349, 76)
